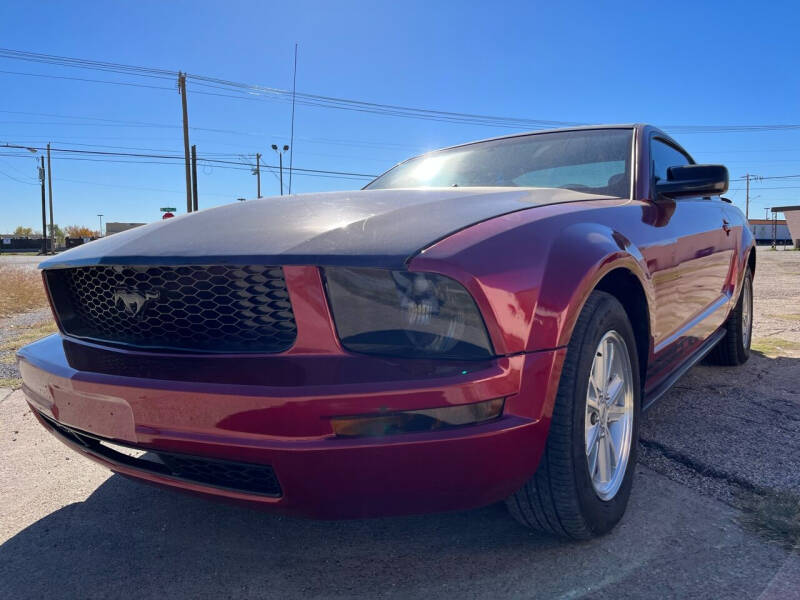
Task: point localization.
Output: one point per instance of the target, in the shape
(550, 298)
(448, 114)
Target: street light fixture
(280, 158)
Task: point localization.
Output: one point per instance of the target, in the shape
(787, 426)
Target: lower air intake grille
(226, 474)
(213, 308)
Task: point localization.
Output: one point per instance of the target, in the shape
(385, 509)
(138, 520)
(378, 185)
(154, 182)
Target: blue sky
(693, 63)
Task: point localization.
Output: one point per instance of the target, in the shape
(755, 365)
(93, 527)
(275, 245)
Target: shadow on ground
(128, 539)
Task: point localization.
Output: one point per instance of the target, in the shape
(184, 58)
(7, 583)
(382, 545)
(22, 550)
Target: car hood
(365, 228)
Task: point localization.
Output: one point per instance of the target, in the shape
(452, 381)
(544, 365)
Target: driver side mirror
(694, 180)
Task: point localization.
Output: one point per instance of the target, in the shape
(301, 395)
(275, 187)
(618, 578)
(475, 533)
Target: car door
(701, 253)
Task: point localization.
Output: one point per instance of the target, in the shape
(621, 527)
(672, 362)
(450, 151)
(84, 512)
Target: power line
(346, 142)
(345, 103)
(177, 157)
(17, 179)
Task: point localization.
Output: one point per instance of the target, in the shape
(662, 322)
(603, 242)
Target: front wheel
(584, 479)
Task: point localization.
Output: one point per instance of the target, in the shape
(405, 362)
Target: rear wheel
(734, 348)
(584, 479)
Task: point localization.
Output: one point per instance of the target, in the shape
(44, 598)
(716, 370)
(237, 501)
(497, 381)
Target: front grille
(214, 308)
(226, 474)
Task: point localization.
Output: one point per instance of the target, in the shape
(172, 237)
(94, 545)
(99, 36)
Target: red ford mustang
(480, 323)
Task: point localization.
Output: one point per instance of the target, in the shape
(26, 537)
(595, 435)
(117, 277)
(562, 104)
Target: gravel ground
(715, 511)
(10, 329)
(30, 260)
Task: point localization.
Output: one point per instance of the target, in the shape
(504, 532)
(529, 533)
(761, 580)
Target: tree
(58, 231)
(23, 231)
(80, 231)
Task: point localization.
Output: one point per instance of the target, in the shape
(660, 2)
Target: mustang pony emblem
(133, 301)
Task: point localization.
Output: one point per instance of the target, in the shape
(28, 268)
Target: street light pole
(101, 224)
(280, 160)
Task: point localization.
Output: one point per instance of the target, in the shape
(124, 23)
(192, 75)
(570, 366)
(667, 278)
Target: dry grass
(10, 382)
(775, 347)
(792, 317)
(21, 290)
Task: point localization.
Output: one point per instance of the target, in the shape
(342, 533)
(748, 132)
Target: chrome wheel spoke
(615, 389)
(615, 413)
(602, 461)
(612, 449)
(593, 397)
(592, 439)
(608, 363)
(597, 374)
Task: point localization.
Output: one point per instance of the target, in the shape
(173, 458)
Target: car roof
(538, 131)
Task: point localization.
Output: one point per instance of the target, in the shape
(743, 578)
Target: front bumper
(279, 416)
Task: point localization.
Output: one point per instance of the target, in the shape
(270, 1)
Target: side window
(665, 156)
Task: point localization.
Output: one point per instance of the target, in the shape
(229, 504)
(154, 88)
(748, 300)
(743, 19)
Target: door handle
(726, 226)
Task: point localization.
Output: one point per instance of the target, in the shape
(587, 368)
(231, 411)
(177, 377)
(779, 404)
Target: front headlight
(400, 313)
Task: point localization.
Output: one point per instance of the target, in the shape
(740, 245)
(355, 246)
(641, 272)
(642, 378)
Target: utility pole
(747, 197)
(182, 92)
(50, 197)
(257, 173)
(194, 177)
(44, 210)
(747, 177)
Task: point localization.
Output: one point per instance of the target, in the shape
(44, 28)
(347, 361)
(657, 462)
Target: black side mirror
(694, 180)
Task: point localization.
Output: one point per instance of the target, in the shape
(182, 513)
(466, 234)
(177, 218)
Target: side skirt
(695, 358)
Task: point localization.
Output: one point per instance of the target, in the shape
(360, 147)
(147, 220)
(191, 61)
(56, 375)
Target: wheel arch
(627, 289)
(599, 258)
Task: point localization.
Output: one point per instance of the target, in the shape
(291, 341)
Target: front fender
(580, 257)
(531, 272)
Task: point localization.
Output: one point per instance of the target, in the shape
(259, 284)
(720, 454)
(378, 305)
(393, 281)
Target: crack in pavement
(771, 513)
(702, 468)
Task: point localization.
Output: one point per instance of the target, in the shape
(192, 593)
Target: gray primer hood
(381, 228)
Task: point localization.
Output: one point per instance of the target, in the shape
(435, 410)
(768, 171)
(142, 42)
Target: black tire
(734, 348)
(560, 498)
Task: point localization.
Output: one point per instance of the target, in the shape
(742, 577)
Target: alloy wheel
(608, 422)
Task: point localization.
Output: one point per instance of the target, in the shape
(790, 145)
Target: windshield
(595, 161)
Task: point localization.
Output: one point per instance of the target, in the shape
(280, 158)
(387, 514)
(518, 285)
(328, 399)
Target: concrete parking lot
(715, 511)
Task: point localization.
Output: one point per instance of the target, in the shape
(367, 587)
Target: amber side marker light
(416, 421)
